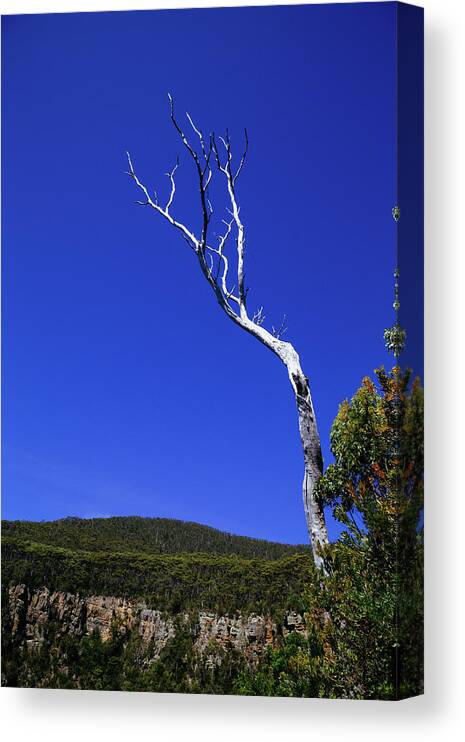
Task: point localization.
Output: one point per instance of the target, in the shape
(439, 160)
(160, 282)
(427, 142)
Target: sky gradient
(125, 388)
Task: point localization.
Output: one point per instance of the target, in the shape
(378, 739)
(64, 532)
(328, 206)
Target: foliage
(119, 663)
(365, 617)
(170, 582)
(373, 597)
(395, 338)
(145, 536)
(377, 441)
(294, 669)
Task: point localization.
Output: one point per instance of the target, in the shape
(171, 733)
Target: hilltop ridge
(142, 535)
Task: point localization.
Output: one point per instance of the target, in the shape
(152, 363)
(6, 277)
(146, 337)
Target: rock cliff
(33, 612)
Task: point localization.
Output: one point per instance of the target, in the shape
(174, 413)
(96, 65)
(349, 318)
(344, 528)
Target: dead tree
(217, 262)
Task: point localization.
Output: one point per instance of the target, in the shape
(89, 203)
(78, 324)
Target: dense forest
(145, 536)
(120, 663)
(171, 582)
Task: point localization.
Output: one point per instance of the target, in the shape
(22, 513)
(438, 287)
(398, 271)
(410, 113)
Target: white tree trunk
(309, 436)
(313, 460)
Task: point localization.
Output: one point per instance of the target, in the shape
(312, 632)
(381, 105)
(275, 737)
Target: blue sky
(125, 389)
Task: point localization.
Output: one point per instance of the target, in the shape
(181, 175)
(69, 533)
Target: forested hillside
(173, 565)
(143, 604)
(222, 583)
(144, 536)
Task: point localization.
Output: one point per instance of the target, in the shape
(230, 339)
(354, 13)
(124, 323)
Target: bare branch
(230, 294)
(207, 254)
(241, 164)
(279, 332)
(187, 234)
(173, 185)
(207, 182)
(228, 226)
(184, 140)
(223, 261)
(206, 153)
(200, 171)
(234, 211)
(199, 134)
(216, 153)
(258, 317)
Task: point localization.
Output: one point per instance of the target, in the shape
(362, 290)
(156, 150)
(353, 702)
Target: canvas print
(212, 450)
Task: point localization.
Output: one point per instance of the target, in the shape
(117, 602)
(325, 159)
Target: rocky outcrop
(34, 612)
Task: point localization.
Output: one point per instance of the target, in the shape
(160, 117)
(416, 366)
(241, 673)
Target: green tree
(365, 616)
(295, 669)
(373, 598)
